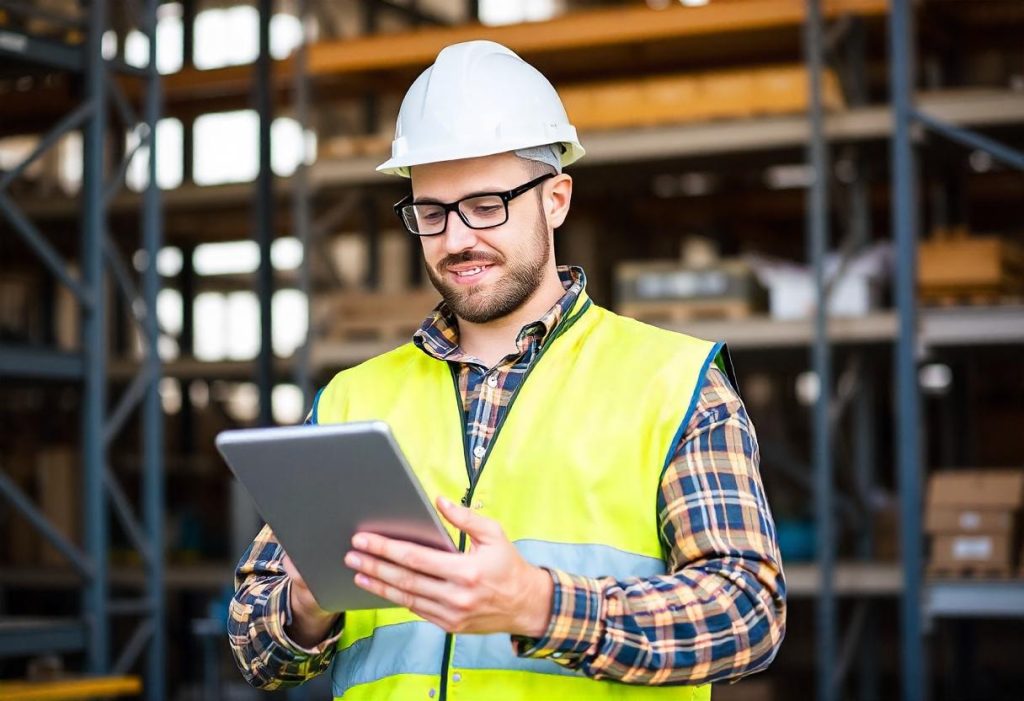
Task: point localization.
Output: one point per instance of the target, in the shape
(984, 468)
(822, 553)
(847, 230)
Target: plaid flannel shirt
(718, 614)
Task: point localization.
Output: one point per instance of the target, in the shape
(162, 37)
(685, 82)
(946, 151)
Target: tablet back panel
(318, 485)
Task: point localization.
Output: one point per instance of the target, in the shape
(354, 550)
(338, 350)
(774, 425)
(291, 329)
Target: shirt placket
(486, 410)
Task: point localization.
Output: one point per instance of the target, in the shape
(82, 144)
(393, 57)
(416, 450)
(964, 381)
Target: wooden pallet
(955, 268)
(970, 571)
(969, 296)
(687, 310)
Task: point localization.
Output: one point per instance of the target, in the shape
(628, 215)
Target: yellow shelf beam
(594, 29)
(71, 689)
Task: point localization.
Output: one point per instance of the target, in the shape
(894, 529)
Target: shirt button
(556, 655)
(431, 693)
(478, 505)
(492, 381)
(479, 451)
(456, 677)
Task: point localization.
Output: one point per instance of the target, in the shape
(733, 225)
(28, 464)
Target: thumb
(479, 528)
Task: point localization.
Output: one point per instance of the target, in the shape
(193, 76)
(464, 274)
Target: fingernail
(352, 560)
(444, 502)
(359, 541)
(362, 580)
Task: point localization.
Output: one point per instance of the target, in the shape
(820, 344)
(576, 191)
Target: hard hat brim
(401, 165)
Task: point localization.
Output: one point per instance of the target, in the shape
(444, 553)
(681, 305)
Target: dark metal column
(818, 232)
(301, 205)
(186, 346)
(265, 216)
(94, 347)
(152, 413)
(244, 520)
(908, 439)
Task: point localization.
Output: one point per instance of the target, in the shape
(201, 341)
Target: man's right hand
(310, 623)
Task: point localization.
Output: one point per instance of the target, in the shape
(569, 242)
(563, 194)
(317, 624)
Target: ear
(558, 195)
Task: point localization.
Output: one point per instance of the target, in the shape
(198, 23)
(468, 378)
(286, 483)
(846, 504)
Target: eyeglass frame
(449, 207)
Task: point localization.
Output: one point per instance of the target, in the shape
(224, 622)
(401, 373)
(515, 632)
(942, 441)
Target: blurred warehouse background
(833, 187)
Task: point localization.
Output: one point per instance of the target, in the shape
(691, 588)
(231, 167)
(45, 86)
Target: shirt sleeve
(720, 612)
(257, 617)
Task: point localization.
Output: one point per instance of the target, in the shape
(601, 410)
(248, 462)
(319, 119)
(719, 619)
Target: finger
(480, 528)
(435, 612)
(398, 577)
(410, 555)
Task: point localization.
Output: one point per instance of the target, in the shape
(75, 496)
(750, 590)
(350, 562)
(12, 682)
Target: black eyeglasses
(483, 210)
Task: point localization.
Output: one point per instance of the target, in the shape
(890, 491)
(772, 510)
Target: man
(615, 536)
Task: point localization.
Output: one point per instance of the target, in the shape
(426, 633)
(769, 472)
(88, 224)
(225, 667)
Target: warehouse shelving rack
(922, 601)
(856, 125)
(99, 255)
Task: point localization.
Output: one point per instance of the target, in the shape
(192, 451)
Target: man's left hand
(490, 589)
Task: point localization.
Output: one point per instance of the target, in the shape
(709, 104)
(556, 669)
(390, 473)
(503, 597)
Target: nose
(457, 236)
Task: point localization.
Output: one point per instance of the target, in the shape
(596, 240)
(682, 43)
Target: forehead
(451, 180)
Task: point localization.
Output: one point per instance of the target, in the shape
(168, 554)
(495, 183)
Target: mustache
(468, 257)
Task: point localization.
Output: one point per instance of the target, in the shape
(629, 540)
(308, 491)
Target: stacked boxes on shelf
(694, 97)
(660, 100)
(955, 267)
(973, 518)
(659, 291)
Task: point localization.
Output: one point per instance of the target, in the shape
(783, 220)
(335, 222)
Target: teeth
(467, 273)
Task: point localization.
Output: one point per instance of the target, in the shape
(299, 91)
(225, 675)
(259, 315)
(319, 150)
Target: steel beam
(43, 249)
(152, 412)
(18, 499)
(46, 363)
(264, 210)
(20, 637)
(52, 54)
(94, 346)
(971, 139)
(903, 173)
(818, 241)
(71, 121)
(301, 209)
(125, 515)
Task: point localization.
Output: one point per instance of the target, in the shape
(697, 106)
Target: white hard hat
(478, 99)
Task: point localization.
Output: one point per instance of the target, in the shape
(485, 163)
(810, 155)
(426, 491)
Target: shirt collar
(438, 337)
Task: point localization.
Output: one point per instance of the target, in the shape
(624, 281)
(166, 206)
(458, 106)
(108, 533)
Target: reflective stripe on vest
(572, 475)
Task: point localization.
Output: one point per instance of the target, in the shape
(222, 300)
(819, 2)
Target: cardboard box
(987, 551)
(59, 497)
(968, 520)
(973, 517)
(671, 280)
(971, 263)
(979, 489)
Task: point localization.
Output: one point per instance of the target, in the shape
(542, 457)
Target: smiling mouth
(470, 272)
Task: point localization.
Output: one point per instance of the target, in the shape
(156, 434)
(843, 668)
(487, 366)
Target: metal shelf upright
(100, 259)
(915, 605)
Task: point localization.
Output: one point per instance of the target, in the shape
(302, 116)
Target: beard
(522, 277)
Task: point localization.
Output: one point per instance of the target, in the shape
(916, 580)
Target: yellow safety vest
(572, 475)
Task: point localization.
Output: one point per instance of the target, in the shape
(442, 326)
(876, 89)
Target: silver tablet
(318, 485)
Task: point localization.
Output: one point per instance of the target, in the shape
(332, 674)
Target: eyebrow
(475, 193)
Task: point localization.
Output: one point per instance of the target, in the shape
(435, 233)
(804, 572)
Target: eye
(487, 210)
(432, 215)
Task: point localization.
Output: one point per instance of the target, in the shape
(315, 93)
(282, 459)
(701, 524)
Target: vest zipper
(467, 498)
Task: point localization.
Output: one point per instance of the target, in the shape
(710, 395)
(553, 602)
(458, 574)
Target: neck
(493, 340)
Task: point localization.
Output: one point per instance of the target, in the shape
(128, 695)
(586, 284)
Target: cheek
(432, 249)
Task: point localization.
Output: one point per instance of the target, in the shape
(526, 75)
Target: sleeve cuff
(279, 616)
(575, 628)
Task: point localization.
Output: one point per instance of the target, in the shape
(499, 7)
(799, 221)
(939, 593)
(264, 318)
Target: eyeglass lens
(477, 212)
